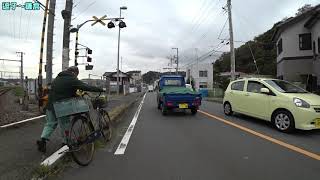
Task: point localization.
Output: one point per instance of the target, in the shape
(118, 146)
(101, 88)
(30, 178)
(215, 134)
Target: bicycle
(85, 129)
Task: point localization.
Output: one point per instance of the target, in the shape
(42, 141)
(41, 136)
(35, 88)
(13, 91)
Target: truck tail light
(196, 102)
(169, 103)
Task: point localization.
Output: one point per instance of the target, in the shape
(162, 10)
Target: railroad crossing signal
(99, 20)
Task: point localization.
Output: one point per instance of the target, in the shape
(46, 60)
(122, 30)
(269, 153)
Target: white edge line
(23, 121)
(55, 156)
(125, 140)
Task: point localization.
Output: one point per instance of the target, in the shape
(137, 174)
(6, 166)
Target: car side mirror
(265, 91)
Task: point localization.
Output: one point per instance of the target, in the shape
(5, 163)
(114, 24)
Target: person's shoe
(41, 145)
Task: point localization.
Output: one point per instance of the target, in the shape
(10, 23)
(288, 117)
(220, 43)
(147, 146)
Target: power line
(204, 15)
(84, 10)
(206, 55)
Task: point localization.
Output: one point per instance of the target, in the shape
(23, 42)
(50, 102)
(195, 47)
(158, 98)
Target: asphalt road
(181, 146)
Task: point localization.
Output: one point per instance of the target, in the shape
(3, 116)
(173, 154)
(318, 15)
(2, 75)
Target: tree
(303, 9)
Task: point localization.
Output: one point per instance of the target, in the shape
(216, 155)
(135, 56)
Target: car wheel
(283, 121)
(227, 108)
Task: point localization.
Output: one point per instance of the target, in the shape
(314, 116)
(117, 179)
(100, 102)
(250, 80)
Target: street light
(122, 25)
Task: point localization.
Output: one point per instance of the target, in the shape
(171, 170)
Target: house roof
(129, 72)
(313, 14)
(111, 74)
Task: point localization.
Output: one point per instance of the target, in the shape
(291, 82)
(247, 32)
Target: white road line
(125, 140)
(55, 156)
(23, 121)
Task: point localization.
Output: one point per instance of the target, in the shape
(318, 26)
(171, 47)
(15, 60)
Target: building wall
(194, 72)
(315, 36)
(292, 70)
(290, 41)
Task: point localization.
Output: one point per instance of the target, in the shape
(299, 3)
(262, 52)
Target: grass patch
(116, 112)
(41, 172)
(18, 91)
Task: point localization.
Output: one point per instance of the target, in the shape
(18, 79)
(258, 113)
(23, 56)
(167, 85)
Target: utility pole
(197, 73)
(121, 63)
(21, 67)
(50, 40)
(66, 15)
(177, 70)
(233, 59)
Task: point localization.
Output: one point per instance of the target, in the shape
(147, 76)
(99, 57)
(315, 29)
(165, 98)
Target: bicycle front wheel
(106, 126)
(82, 153)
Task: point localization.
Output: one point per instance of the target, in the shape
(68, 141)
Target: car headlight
(301, 103)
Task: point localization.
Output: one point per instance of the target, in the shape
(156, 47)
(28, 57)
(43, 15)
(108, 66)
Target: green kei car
(287, 106)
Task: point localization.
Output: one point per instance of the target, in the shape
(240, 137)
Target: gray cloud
(153, 28)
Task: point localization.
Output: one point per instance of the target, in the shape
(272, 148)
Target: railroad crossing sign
(99, 20)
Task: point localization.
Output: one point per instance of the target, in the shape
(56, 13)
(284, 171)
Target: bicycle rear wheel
(82, 153)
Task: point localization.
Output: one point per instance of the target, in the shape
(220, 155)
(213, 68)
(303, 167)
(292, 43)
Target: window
(203, 85)
(237, 86)
(254, 86)
(203, 73)
(305, 41)
(280, 49)
(172, 82)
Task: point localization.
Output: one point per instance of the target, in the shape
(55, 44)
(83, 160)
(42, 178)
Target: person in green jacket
(63, 87)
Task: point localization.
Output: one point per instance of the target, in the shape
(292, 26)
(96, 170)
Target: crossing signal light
(111, 25)
(122, 24)
(89, 59)
(89, 51)
(89, 67)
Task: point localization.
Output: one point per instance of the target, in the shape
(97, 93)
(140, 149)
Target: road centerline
(125, 140)
(268, 138)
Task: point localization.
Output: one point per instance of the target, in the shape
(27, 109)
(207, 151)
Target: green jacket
(65, 86)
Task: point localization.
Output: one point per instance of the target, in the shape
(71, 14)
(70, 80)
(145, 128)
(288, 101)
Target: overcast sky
(153, 28)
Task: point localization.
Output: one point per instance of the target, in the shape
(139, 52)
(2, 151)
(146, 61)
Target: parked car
(173, 94)
(285, 105)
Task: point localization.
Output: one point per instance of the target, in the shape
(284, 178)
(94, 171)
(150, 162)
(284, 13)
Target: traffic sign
(99, 20)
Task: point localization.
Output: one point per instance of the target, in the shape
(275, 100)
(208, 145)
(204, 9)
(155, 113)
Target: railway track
(4, 90)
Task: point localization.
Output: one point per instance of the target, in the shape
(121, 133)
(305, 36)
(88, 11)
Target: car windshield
(285, 87)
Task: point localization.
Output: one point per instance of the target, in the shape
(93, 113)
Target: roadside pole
(233, 60)
(50, 41)
(66, 14)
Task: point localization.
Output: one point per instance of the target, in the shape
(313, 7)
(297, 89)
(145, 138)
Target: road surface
(181, 146)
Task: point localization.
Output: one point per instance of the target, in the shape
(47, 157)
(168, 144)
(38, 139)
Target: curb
(16, 124)
(52, 160)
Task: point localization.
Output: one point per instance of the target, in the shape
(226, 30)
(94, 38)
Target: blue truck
(172, 93)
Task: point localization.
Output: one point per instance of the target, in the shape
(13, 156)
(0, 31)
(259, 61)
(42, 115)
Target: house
(124, 82)
(202, 74)
(298, 48)
(136, 78)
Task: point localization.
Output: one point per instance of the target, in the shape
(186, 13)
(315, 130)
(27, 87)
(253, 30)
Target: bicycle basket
(99, 103)
(70, 106)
